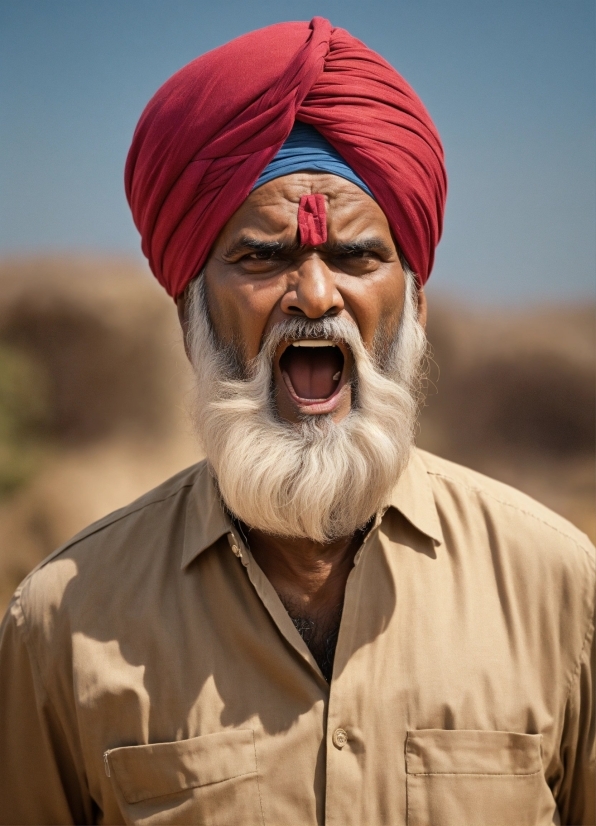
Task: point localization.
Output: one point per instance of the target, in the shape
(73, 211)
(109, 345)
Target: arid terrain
(95, 390)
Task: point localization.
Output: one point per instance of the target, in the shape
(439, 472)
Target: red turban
(208, 133)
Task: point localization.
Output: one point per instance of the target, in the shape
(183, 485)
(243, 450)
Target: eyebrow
(247, 243)
(363, 245)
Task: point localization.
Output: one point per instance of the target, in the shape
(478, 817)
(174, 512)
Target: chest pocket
(207, 781)
(478, 778)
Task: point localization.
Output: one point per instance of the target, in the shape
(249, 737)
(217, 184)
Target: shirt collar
(413, 497)
(207, 520)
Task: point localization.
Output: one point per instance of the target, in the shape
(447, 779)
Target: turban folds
(212, 128)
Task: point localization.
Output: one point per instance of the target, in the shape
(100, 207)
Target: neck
(309, 575)
(310, 580)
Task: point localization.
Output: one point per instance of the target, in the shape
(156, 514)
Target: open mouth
(312, 370)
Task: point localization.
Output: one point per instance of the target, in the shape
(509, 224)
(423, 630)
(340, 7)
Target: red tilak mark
(312, 220)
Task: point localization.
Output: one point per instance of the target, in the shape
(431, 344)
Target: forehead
(272, 209)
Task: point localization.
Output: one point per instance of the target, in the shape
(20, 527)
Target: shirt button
(340, 738)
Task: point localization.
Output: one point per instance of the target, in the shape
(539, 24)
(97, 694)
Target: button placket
(343, 775)
(344, 737)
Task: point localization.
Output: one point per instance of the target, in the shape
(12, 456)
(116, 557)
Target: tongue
(311, 371)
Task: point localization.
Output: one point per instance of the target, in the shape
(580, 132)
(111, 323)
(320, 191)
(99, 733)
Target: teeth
(337, 376)
(313, 342)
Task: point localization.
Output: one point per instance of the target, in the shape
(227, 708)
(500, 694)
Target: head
(304, 326)
(307, 359)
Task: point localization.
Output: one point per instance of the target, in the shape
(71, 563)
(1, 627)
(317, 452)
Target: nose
(312, 291)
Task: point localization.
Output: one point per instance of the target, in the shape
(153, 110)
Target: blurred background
(94, 388)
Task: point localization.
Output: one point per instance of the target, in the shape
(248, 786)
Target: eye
(358, 262)
(261, 255)
(261, 261)
(359, 255)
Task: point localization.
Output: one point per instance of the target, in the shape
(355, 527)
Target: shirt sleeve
(39, 781)
(576, 798)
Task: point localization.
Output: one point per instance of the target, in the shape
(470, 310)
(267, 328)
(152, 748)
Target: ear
(182, 307)
(422, 307)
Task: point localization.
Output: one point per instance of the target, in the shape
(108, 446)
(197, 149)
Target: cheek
(241, 312)
(376, 306)
(390, 315)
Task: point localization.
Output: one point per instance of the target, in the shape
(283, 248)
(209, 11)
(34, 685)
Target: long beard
(318, 479)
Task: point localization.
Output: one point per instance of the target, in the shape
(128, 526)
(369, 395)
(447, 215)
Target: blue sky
(510, 86)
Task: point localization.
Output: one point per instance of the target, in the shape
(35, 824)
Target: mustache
(236, 366)
(293, 329)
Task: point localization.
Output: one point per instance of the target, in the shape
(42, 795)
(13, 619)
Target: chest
(228, 719)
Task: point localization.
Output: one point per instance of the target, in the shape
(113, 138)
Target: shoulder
(165, 495)
(538, 567)
(508, 518)
(115, 552)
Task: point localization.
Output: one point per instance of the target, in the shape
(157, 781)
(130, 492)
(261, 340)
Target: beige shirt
(150, 674)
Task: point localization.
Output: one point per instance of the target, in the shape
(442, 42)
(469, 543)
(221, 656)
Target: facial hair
(317, 479)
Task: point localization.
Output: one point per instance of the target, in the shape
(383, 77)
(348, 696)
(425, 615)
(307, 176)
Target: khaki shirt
(150, 674)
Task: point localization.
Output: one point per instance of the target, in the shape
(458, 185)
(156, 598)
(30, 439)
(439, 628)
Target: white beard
(317, 479)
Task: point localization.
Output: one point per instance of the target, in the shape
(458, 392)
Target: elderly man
(318, 624)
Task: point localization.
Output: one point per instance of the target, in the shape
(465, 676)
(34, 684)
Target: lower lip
(314, 407)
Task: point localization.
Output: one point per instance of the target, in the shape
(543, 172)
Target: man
(318, 624)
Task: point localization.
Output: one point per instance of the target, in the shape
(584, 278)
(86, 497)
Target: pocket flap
(149, 771)
(436, 751)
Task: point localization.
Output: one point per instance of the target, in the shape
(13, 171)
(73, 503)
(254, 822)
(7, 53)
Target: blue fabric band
(306, 149)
